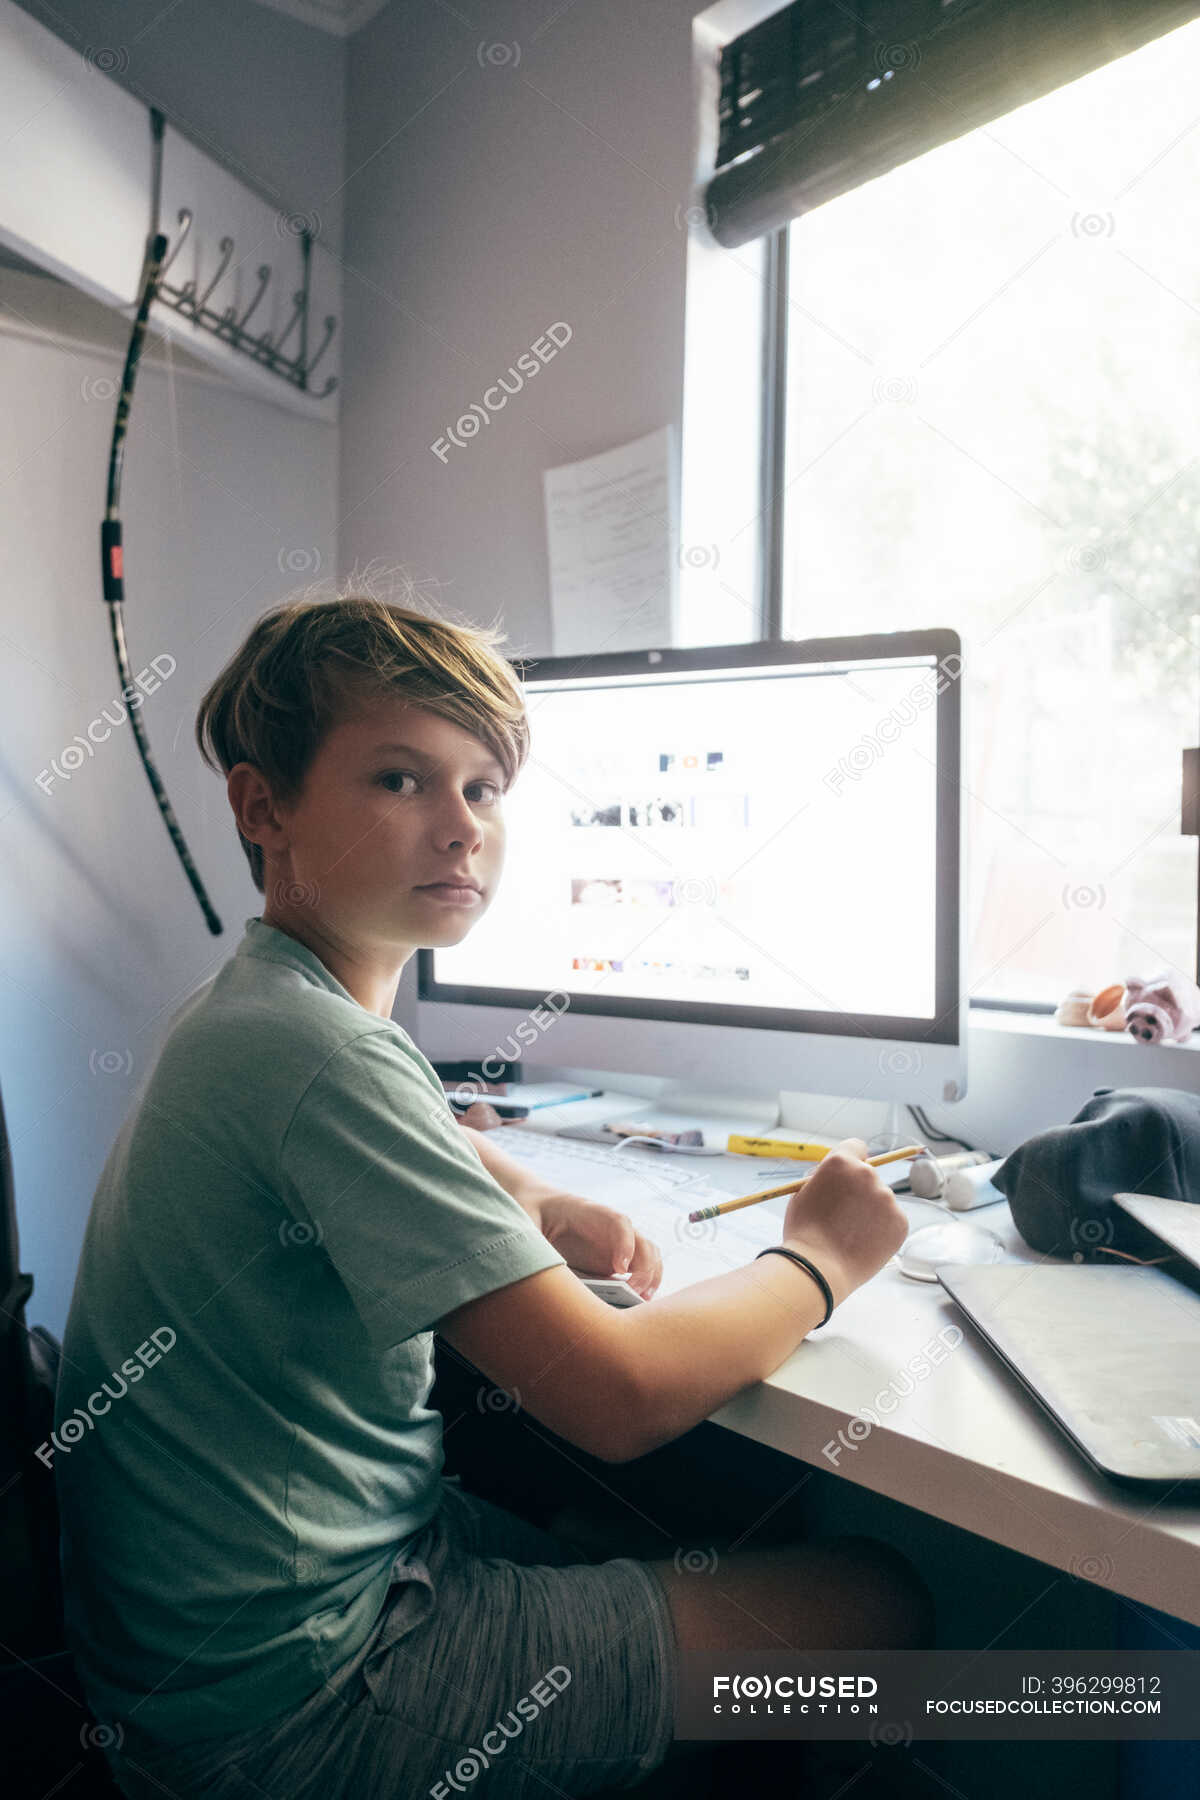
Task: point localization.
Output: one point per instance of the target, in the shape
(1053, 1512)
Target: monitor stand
(895, 1132)
(746, 1108)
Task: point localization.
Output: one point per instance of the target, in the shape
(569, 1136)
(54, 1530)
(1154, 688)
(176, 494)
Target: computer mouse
(953, 1241)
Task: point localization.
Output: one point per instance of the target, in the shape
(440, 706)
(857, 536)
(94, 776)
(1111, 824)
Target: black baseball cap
(1060, 1183)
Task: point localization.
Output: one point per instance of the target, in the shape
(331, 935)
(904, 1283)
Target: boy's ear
(254, 808)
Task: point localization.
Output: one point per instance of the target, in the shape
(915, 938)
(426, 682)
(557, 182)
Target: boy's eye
(391, 775)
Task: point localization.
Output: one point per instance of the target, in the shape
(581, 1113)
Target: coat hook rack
(226, 326)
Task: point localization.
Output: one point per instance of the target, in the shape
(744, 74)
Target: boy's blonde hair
(308, 664)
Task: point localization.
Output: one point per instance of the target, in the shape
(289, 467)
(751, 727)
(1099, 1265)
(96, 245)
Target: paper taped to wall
(612, 527)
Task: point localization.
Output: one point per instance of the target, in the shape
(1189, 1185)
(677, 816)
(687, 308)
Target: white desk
(967, 1444)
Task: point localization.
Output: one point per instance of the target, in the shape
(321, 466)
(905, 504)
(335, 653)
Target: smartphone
(612, 1288)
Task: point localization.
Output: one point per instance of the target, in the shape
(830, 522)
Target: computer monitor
(736, 867)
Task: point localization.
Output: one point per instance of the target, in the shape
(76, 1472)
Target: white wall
(510, 194)
(228, 502)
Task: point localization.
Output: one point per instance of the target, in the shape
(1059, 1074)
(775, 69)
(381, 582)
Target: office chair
(47, 1734)
(30, 1609)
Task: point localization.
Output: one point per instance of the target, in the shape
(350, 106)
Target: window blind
(822, 96)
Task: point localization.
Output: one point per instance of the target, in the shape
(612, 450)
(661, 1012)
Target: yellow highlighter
(792, 1148)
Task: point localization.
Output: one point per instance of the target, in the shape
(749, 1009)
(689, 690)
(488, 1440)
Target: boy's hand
(598, 1240)
(590, 1237)
(846, 1217)
(479, 1116)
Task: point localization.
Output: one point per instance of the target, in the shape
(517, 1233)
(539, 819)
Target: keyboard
(542, 1150)
(657, 1193)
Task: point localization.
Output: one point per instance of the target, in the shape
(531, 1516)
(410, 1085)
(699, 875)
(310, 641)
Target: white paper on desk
(690, 1252)
(693, 1252)
(612, 528)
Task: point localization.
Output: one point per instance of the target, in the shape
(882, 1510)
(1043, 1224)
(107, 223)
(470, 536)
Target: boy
(270, 1588)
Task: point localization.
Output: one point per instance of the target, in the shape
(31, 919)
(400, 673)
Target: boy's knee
(897, 1584)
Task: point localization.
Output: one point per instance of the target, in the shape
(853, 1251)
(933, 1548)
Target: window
(990, 422)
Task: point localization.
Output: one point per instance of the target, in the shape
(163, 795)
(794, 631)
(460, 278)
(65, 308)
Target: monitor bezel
(946, 1025)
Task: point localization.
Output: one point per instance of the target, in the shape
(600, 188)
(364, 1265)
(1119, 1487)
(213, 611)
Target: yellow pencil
(789, 1187)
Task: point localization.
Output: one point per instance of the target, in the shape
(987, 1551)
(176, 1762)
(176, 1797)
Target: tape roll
(968, 1188)
(929, 1174)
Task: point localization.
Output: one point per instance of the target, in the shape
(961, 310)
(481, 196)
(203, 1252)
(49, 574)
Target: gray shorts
(498, 1667)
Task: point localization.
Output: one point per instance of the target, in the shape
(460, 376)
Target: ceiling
(341, 18)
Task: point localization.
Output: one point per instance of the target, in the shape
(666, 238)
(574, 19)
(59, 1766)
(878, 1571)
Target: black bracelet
(803, 1263)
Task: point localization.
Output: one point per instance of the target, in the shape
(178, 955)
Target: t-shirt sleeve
(374, 1163)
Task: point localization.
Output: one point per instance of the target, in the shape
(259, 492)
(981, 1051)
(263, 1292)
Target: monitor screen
(749, 834)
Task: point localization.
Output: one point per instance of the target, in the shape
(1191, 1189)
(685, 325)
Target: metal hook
(265, 350)
(185, 220)
(299, 299)
(330, 328)
(226, 257)
(264, 276)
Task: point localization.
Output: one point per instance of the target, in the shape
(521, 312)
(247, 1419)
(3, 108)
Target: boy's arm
(592, 1237)
(620, 1383)
(526, 1188)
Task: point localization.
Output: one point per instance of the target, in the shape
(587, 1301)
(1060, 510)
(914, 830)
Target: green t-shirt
(242, 1443)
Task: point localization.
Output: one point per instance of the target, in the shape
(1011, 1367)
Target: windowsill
(1042, 1026)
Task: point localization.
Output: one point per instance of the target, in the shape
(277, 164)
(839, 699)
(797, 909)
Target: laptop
(1111, 1352)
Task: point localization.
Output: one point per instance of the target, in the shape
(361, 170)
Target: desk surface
(959, 1437)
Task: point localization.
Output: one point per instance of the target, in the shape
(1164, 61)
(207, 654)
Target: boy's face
(374, 827)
